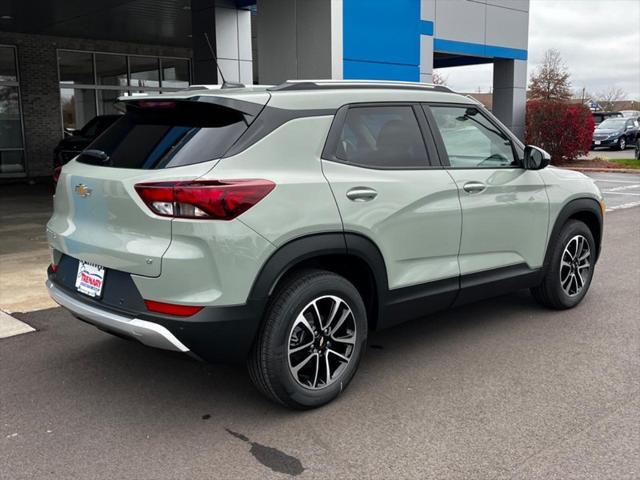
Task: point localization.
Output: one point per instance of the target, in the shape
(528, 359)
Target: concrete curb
(11, 326)
(606, 170)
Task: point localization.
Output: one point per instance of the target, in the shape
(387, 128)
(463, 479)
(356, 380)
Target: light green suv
(278, 225)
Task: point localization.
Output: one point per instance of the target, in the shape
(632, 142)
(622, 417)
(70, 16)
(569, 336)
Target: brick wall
(39, 87)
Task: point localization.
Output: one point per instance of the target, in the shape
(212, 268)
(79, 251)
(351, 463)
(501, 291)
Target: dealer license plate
(90, 279)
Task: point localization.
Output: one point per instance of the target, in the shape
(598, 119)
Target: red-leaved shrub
(563, 129)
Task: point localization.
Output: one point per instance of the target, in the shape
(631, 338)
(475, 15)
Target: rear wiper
(99, 155)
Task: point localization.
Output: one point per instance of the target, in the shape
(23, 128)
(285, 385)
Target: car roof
(322, 94)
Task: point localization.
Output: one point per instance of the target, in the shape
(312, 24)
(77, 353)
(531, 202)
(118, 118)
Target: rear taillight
(53, 267)
(203, 199)
(171, 309)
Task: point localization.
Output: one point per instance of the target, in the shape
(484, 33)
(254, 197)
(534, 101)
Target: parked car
(631, 113)
(77, 140)
(599, 117)
(279, 225)
(616, 133)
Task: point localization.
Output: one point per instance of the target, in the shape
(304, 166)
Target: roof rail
(356, 84)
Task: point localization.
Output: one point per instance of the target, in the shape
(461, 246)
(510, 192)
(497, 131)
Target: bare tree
(609, 97)
(550, 81)
(439, 79)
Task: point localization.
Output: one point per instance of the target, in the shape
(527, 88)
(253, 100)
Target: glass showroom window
(90, 82)
(11, 138)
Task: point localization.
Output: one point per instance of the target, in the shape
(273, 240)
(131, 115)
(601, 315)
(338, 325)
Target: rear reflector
(171, 309)
(203, 199)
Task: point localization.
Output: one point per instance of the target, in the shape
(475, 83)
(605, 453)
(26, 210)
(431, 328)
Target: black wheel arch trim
(571, 209)
(298, 250)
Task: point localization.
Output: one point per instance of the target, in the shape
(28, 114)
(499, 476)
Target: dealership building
(62, 62)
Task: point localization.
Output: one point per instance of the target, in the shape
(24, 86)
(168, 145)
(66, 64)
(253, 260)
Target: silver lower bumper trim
(149, 333)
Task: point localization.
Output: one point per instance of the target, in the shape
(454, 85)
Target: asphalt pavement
(500, 389)
(620, 190)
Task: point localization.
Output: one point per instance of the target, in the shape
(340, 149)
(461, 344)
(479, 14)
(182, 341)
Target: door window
(471, 140)
(382, 137)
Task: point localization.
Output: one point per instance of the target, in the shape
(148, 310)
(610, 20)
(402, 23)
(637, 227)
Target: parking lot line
(624, 187)
(623, 206)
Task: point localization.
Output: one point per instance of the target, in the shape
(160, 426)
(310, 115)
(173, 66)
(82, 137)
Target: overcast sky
(599, 41)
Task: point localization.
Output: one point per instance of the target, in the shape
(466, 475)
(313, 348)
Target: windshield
(164, 134)
(613, 123)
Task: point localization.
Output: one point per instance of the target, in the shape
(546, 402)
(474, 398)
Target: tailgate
(99, 217)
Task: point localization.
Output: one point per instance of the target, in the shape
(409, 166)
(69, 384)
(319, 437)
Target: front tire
(311, 341)
(622, 143)
(570, 270)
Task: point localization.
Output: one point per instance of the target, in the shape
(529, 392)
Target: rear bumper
(149, 333)
(215, 334)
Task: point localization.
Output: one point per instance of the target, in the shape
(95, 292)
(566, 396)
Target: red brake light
(54, 267)
(156, 104)
(171, 309)
(206, 199)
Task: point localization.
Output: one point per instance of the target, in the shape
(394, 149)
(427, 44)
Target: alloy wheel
(575, 265)
(321, 342)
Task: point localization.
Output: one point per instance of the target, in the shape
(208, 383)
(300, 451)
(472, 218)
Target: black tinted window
(387, 137)
(164, 134)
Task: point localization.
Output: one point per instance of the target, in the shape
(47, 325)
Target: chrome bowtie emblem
(82, 190)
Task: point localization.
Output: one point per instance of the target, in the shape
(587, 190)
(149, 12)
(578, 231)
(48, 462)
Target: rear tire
(311, 340)
(570, 270)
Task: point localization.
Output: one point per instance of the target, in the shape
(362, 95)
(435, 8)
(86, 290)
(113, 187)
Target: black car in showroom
(616, 133)
(77, 140)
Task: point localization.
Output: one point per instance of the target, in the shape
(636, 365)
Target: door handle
(474, 187)
(361, 194)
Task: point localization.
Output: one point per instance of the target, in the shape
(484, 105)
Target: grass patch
(627, 162)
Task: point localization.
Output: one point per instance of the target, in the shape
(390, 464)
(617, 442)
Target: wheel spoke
(315, 377)
(302, 320)
(348, 340)
(300, 365)
(343, 317)
(318, 316)
(579, 280)
(327, 370)
(339, 355)
(301, 347)
(334, 310)
(586, 254)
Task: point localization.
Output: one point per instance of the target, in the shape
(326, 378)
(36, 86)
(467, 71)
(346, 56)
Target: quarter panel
(301, 203)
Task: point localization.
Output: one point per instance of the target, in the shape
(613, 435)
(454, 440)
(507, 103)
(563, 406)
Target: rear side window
(165, 134)
(382, 137)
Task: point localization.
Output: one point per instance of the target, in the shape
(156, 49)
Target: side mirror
(535, 158)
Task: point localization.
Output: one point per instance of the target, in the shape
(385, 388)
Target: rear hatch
(98, 215)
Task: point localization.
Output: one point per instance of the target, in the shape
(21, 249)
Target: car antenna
(225, 84)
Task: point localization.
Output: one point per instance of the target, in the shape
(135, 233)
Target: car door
(505, 208)
(631, 131)
(388, 191)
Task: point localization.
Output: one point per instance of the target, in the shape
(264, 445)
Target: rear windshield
(164, 134)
